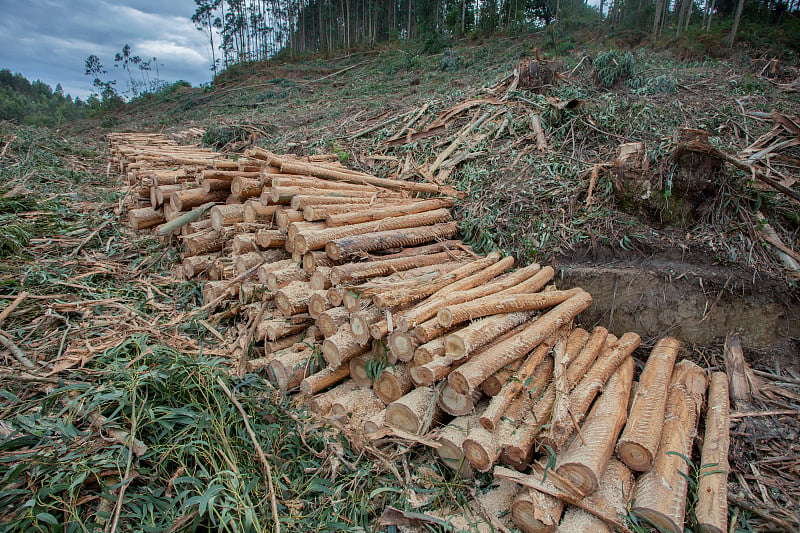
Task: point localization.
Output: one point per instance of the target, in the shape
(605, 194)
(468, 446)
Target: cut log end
(659, 520)
(635, 456)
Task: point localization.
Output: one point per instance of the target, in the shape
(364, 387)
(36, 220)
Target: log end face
(400, 416)
(635, 456)
(580, 476)
(476, 455)
(445, 317)
(658, 519)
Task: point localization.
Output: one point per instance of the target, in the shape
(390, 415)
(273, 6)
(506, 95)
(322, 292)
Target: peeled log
(145, 217)
(289, 367)
(293, 298)
(255, 211)
(403, 345)
(536, 512)
(454, 403)
(361, 321)
(467, 340)
(378, 214)
(195, 265)
(293, 167)
(711, 509)
(415, 412)
(451, 437)
(584, 462)
(284, 217)
(502, 303)
(354, 272)
(639, 441)
(243, 243)
(226, 215)
(279, 279)
(659, 495)
(358, 370)
(498, 405)
(274, 329)
(323, 379)
(392, 384)
(472, 373)
(382, 240)
(189, 198)
(329, 321)
(589, 387)
(356, 402)
(315, 240)
(507, 284)
(270, 238)
(613, 495)
(425, 353)
(318, 304)
(321, 403)
(339, 348)
(244, 188)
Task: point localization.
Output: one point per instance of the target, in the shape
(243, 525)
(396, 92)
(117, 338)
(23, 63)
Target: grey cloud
(49, 40)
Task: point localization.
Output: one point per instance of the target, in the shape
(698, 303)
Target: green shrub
(613, 67)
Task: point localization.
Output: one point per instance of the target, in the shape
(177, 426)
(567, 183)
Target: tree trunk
(372, 215)
(339, 348)
(614, 494)
(639, 441)
(472, 373)
(330, 320)
(462, 343)
(712, 490)
(382, 240)
(732, 36)
(324, 379)
(584, 462)
(659, 495)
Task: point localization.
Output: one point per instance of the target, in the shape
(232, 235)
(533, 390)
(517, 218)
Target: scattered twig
(13, 305)
(16, 351)
(763, 514)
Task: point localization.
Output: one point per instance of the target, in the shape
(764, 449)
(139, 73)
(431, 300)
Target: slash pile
(366, 306)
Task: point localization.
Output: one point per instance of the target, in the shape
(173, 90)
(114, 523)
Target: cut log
(403, 345)
(318, 239)
(409, 294)
(659, 495)
(711, 509)
(383, 240)
(321, 279)
(211, 185)
(522, 378)
(243, 243)
(393, 383)
(639, 441)
(425, 353)
(342, 346)
(588, 388)
(321, 403)
(509, 282)
(378, 214)
(196, 265)
(324, 379)
(355, 272)
(290, 366)
(297, 228)
(188, 198)
(251, 292)
(267, 268)
(302, 201)
(361, 321)
(330, 321)
(472, 373)
(318, 303)
(145, 217)
(244, 188)
(375, 423)
(358, 370)
(274, 329)
(451, 438)
(454, 403)
(356, 403)
(293, 298)
(205, 242)
(584, 462)
(613, 496)
(323, 172)
(284, 217)
(270, 238)
(415, 412)
(536, 512)
(502, 303)
(314, 260)
(463, 342)
(255, 211)
(279, 279)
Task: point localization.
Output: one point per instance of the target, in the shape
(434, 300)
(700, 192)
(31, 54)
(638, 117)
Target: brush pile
(359, 298)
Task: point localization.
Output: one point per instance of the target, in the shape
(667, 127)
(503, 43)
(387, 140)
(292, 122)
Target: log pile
(365, 304)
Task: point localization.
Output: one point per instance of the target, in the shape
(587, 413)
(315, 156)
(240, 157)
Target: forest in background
(252, 30)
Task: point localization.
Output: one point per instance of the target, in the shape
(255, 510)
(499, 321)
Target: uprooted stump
(535, 75)
(679, 192)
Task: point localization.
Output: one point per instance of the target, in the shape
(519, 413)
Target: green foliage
(613, 67)
(35, 104)
(435, 43)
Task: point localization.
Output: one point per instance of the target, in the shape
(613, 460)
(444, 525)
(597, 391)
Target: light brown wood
(323, 379)
(358, 370)
(562, 425)
(454, 403)
(243, 243)
(659, 495)
(383, 240)
(451, 437)
(329, 321)
(145, 217)
(360, 322)
(279, 279)
(342, 346)
(393, 383)
(639, 441)
(502, 303)
(290, 366)
(356, 272)
(186, 199)
(415, 412)
(321, 402)
(293, 298)
(613, 495)
(461, 343)
(711, 509)
(585, 460)
(244, 188)
(472, 373)
(536, 512)
(403, 345)
(323, 172)
(255, 211)
(196, 265)
(378, 214)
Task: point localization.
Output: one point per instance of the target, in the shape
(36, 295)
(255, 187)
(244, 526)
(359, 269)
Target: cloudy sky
(50, 39)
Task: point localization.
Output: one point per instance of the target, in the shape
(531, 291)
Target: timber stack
(366, 306)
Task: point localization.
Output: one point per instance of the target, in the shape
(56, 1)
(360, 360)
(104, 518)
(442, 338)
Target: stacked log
(363, 301)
